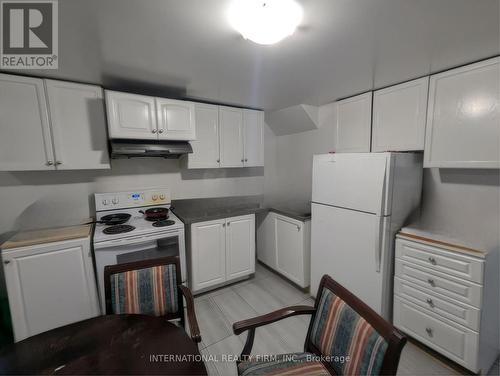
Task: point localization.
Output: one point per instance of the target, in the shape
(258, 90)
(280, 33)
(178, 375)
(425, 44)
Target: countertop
(48, 235)
(206, 209)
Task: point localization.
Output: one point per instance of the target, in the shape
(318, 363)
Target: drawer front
(451, 309)
(440, 283)
(441, 260)
(454, 341)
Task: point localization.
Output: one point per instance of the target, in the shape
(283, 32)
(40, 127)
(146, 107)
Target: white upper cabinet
(353, 123)
(25, 139)
(78, 125)
(176, 119)
(253, 123)
(463, 117)
(131, 116)
(231, 137)
(206, 147)
(399, 114)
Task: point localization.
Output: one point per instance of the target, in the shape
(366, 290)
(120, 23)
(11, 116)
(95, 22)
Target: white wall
(52, 198)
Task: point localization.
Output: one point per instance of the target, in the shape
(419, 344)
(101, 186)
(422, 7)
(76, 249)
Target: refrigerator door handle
(377, 246)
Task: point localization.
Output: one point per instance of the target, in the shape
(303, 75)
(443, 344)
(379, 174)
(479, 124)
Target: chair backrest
(149, 287)
(354, 339)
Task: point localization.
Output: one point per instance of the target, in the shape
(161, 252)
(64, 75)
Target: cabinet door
(399, 116)
(208, 253)
(266, 241)
(176, 119)
(231, 137)
(25, 141)
(289, 248)
(240, 246)
(253, 123)
(78, 125)
(353, 123)
(206, 146)
(50, 286)
(131, 116)
(463, 116)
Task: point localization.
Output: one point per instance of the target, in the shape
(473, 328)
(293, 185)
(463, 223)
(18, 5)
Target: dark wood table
(113, 344)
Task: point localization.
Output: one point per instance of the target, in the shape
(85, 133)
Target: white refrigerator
(359, 202)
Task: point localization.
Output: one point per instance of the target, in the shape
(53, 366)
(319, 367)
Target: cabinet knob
(432, 260)
(298, 228)
(58, 162)
(243, 160)
(218, 160)
(430, 302)
(223, 225)
(153, 131)
(6, 262)
(431, 282)
(246, 160)
(229, 223)
(429, 331)
(160, 131)
(50, 163)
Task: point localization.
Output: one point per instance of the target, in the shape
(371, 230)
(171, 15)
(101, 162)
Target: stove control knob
(115, 201)
(162, 197)
(105, 202)
(155, 197)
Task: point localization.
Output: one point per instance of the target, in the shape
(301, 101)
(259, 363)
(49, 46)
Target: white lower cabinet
(446, 296)
(284, 245)
(49, 286)
(221, 250)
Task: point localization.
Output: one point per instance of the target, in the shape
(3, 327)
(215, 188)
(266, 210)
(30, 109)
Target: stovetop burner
(163, 222)
(118, 229)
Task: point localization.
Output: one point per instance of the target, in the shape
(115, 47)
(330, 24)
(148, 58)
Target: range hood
(121, 148)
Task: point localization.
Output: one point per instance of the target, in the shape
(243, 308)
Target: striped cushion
(284, 364)
(149, 291)
(339, 330)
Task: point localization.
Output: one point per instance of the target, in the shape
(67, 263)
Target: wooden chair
(150, 287)
(341, 326)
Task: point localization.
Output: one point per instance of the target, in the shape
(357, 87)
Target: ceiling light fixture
(265, 21)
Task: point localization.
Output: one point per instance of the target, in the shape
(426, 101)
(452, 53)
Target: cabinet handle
(223, 225)
(160, 131)
(153, 131)
(430, 302)
(432, 260)
(58, 162)
(229, 223)
(242, 160)
(429, 331)
(6, 262)
(246, 160)
(218, 160)
(50, 163)
(431, 282)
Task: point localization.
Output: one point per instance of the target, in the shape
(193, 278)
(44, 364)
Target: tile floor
(219, 309)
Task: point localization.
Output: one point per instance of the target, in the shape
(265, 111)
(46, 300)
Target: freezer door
(351, 247)
(359, 181)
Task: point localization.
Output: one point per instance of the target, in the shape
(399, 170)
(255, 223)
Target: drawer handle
(430, 302)
(429, 331)
(432, 260)
(431, 282)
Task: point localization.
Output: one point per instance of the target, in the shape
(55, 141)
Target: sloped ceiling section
(294, 119)
(186, 48)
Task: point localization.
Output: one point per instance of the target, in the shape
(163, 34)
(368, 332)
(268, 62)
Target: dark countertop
(206, 209)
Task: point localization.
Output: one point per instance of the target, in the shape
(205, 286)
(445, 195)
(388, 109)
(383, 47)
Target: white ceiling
(186, 48)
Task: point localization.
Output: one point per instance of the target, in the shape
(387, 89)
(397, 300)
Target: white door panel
(344, 246)
(231, 137)
(253, 122)
(25, 143)
(78, 125)
(289, 248)
(176, 119)
(206, 146)
(240, 246)
(131, 116)
(208, 250)
(353, 181)
(353, 124)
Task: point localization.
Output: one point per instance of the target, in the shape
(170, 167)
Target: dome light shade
(265, 21)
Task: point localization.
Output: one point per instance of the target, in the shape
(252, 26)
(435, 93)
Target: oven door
(138, 248)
